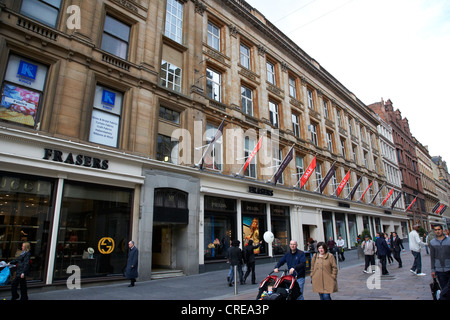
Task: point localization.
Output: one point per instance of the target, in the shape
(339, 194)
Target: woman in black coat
(22, 267)
(131, 271)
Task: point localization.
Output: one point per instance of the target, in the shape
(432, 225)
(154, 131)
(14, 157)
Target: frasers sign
(78, 160)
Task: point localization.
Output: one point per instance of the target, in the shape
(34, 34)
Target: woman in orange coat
(324, 272)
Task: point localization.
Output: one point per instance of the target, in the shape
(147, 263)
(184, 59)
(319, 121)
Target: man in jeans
(440, 261)
(414, 245)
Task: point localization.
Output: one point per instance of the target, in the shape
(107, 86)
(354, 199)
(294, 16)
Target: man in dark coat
(382, 251)
(397, 246)
(249, 259)
(234, 256)
(131, 271)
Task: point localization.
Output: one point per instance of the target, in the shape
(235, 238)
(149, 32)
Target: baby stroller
(285, 288)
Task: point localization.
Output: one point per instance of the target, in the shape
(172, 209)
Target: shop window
(94, 230)
(254, 224)
(106, 114)
(116, 37)
(25, 214)
(43, 11)
(219, 227)
(22, 91)
(280, 222)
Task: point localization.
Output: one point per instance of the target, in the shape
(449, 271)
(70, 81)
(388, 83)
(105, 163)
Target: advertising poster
(19, 105)
(250, 231)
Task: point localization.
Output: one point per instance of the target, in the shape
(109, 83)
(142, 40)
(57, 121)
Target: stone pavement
(401, 284)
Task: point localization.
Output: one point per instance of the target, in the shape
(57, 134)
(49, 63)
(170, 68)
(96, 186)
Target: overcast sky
(390, 49)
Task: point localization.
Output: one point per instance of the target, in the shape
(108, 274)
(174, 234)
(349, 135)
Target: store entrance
(162, 247)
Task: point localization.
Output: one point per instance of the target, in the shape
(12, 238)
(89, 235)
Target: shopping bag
(435, 289)
(4, 276)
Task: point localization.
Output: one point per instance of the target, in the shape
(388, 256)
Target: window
(250, 145)
(277, 159)
(271, 73)
(343, 148)
(170, 76)
(213, 36)
(214, 84)
(314, 139)
(45, 11)
(247, 100)
(350, 128)
(318, 175)
(354, 150)
(213, 160)
(22, 91)
(296, 125)
(174, 20)
(167, 149)
(116, 36)
(245, 56)
(106, 116)
(273, 110)
(339, 117)
(309, 93)
(170, 115)
(292, 88)
(325, 109)
(299, 167)
(330, 141)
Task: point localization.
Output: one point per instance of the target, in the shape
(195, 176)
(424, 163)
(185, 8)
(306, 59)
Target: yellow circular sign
(106, 245)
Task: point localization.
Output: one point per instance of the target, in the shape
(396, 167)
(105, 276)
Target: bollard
(235, 281)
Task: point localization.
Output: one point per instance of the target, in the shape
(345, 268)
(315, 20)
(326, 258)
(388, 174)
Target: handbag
(435, 289)
(4, 276)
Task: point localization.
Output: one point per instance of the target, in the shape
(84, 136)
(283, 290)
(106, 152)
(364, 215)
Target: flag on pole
(283, 165)
(216, 137)
(327, 178)
(342, 184)
(438, 211)
(443, 209)
(388, 196)
(409, 207)
(366, 191)
(436, 207)
(308, 172)
(377, 193)
(252, 155)
(396, 199)
(352, 193)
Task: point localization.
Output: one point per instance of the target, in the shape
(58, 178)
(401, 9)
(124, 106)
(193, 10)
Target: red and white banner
(366, 191)
(252, 155)
(388, 196)
(342, 184)
(409, 207)
(308, 172)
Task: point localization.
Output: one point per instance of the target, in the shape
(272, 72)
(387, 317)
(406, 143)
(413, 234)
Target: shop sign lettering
(266, 192)
(79, 160)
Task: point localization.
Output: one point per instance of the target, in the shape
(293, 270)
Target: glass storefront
(280, 221)
(219, 227)
(340, 226)
(353, 229)
(327, 219)
(254, 224)
(94, 230)
(26, 212)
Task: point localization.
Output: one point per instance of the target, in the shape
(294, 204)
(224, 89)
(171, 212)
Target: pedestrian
(440, 261)
(235, 259)
(415, 245)
(369, 250)
(382, 251)
(331, 245)
(249, 259)
(389, 255)
(131, 271)
(295, 260)
(397, 246)
(22, 268)
(312, 248)
(324, 273)
(340, 244)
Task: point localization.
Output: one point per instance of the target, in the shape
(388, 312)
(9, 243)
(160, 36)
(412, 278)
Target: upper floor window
(277, 159)
(167, 149)
(274, 117)
(292, 87)
(213, 36)
(330, 141)
(299, 167)
(309, 94)
(106, 116)
(314, 138)
(249, 146)
(247, 100)
(174, 20)
(245, 56)
(116, 36)
(214, 84)
(319, 177)
(326, 113)
(170, 76)
(271, 73)
(45, 11)
(170, 115)
(296, 125)
(22, 91)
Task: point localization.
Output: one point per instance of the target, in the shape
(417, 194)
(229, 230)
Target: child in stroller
(284, 288)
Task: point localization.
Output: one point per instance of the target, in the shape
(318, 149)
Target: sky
(390, 49)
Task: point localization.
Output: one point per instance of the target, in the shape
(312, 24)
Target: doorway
(162, 247)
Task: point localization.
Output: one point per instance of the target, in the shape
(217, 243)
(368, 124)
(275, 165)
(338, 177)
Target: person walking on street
(235, 259)
(440, 261)
(131, 271)
(397, 246)
(369, 250)
(414, 245)
(324, 273)
(340, 243)
(249, 259)
(331, 246)
(389, 243)
(22, 267)
(295, 260)
(382, 251)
